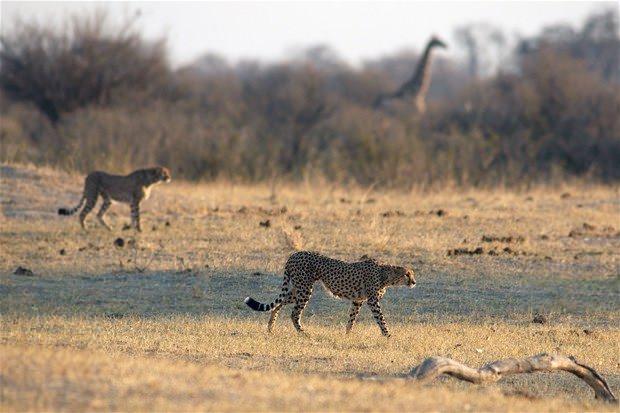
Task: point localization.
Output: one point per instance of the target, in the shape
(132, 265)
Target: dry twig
(433, 367)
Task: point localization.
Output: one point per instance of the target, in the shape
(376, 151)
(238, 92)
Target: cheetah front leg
(135, 214)
(355, 310)
(373, 303)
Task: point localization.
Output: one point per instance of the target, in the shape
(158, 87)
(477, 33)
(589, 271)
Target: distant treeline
(90, 96)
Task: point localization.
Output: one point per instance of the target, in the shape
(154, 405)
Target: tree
(479, 39)
(61, 70)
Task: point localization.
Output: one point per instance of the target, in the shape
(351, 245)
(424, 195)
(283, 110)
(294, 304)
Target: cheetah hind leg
(289, 299)
(301, 300)
(90, 204)
(104, 207)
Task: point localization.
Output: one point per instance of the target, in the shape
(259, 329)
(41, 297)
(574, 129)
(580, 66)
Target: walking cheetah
(130, 189)
(358, 281)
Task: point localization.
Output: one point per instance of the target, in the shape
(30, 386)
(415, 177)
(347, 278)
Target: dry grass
(160, 324)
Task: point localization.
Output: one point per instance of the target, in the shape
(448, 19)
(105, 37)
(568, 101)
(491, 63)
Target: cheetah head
(400, 275)
(163, 174)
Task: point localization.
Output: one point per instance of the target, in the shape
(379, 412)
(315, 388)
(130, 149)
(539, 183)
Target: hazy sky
(270, 30)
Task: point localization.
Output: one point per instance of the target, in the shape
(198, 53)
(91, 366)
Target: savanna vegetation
(158, 322)
(516, 110)
(503, 197)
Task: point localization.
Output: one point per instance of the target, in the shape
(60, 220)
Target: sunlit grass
(161, 325)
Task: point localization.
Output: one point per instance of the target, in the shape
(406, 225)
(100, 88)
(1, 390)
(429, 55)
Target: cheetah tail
(65, 211)
(256, 306)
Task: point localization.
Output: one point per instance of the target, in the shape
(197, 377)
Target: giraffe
(416, 87)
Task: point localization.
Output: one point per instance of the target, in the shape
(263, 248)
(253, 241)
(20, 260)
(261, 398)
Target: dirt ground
(160, 324)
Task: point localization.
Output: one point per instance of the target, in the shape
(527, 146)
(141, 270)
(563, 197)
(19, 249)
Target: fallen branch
(433, 367)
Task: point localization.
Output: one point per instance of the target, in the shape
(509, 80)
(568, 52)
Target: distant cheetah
(130, 189)
(359, 281)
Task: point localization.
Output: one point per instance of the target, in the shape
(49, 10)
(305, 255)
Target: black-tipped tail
(256, 306)
(66, 211)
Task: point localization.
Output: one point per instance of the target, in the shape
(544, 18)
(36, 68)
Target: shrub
(60, 71)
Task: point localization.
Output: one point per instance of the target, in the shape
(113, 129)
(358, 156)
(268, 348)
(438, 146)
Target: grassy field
(160, 324)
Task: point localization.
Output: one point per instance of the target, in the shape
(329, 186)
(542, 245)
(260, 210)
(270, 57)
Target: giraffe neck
(423, 73)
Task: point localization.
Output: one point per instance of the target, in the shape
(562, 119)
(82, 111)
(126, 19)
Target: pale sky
(270, 30)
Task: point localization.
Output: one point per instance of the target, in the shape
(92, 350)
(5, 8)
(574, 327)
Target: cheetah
(130, 189)
(363, 281)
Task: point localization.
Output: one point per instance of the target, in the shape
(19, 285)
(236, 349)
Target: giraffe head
(436, 42)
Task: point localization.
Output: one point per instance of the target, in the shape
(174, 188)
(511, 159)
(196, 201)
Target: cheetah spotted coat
(364, 281)
(131, 189)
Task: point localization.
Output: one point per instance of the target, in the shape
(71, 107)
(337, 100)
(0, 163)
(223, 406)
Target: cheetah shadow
(221, 293)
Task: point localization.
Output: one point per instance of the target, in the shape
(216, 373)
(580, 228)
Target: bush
(111, 102)
(553, 113)
(60, 71)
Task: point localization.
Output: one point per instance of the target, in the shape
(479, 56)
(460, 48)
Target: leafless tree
(86, 63)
